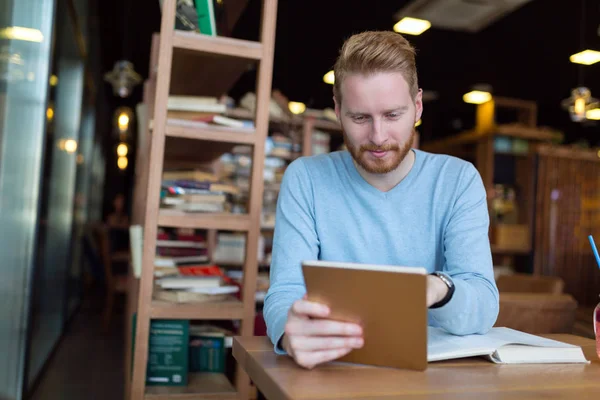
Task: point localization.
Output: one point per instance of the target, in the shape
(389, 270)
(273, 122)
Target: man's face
(378, 114)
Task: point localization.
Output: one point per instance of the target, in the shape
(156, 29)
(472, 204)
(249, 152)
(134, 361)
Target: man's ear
(418, 105)
(337, 108)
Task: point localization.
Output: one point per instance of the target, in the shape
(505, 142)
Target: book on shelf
(228, 121)
(163, 261)
(181, 243)
(183, 186)
(189, 175)
(194, 288)
(189, 282)
(182, 296)
(207, 348)
(168, 351)
(194, 103)
(206, 17)
(186, 16)
(197, 207)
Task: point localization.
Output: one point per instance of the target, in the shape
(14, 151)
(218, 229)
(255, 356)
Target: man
(380, 202)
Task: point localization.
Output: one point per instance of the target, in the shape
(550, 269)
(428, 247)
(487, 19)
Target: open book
(501, 345)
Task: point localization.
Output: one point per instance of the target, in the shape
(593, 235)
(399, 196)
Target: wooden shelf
(187, 130)
(243, 113)
(181, 152)
(231, 309)
(217, 45)
(334, 127)
(200, 386)
(521, 131)
(219, 221)
(219, 61)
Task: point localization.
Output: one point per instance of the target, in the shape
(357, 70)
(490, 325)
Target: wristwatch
(448, 281)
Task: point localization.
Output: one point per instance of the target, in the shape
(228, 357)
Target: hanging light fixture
(581, 100)
(123, 78)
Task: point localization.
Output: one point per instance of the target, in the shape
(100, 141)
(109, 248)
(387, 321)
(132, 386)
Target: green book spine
(207, 353)
(168, 361)
(206, 17)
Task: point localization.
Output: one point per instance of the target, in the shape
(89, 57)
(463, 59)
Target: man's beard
(392, 160)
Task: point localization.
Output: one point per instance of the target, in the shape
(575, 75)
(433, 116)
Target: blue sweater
(436, 217)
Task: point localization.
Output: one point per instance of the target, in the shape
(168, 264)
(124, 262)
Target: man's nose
(378, 135)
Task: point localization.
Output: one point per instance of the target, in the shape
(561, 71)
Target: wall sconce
(122, 150)
(68, 145)
(123, 118)
(122, 163)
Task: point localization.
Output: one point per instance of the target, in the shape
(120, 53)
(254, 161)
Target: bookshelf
(309, 124)
(189, 63)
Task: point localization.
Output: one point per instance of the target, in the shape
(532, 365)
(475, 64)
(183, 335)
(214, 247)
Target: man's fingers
(310, 359)
(310, 309)
(314, 343)
(323, 327)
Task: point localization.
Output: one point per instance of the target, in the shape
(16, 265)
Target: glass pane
(55, 247)
(25, 45)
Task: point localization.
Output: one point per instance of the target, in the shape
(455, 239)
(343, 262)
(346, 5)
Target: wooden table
(278, 377)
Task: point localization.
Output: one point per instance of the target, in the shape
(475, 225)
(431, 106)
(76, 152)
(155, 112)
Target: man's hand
(312, 339)
(436, 290)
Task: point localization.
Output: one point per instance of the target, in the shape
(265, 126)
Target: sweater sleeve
(468, 261)
(295, 240)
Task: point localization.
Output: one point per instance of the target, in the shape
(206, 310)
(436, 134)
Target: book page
(442, 345)
(511, 336)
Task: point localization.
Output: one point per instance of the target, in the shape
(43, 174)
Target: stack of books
(281, 146)
(231, 249)
(187, 288)
(195, 191)
(174, 251)
(200, 111)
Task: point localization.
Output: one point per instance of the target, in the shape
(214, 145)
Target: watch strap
(448, 281)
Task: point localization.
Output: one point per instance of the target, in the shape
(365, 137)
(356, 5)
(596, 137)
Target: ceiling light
(53, 80)
(586, 57)
(593, 114)
(477, 97)
(412, 26)
(296, 107)
(20, 33)
(329, 78)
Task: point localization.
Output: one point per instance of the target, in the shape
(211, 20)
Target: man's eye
(393, 115)
(358, 118)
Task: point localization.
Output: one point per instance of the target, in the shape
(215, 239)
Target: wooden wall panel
(567, 211)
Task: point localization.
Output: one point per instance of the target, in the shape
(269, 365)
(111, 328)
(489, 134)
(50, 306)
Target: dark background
(524, 55)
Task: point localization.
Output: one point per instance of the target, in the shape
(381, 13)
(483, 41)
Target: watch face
(446, 280)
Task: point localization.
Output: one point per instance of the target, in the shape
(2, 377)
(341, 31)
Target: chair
(535, 304)
(115, 283)
(525, 283)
